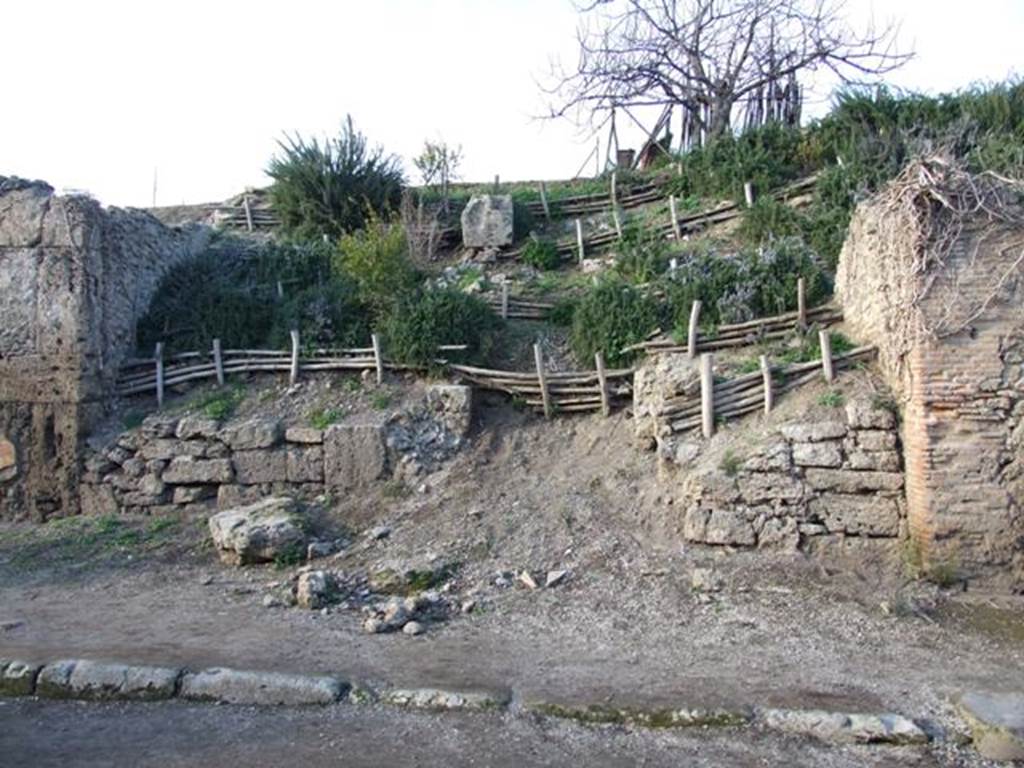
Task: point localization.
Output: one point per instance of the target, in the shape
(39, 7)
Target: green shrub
(376, 258)
(322, 418)
(756, 282)
(222, 403)
(330, 187)
(417, 325)
(330, 315)
(610, 316)
(768, 219)
(643, 254)
(541, 254)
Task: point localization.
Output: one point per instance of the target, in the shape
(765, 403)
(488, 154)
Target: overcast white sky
(98, 93)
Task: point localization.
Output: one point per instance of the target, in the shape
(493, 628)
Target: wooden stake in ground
(748, 193)
(618, 222)
(801, 304)
(218, 362)
(248, 212)
(538, 357)
(602, 382)
(614, 190)
(579, 238)
(676, 229)
(378, 359)
(544, 201)
(293, 371)
(766, 376)
(158, 354)
(691, 332)
(497, 183)
(504, 301)
(826, 355)
(707, 395)
(280, 290)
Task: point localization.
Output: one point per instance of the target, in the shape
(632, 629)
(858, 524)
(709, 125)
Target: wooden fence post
(504, 301)
(545, 397)
(293, 374)
(497, 183)
(248, 212)
(158, 354)
(801, 304)
(614, 191)
(748, 193)
(766, 376)
(218, 362)
(618, 222)
(691, 332)
(579, 238)
(602, 382)
(826, 355)
(544, 201)
(676, 230)
(280, 290)
(707, 395)
(378, 359)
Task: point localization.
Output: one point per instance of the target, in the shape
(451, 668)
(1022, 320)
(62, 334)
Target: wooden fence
(675, 228)
(741, 334)
(718, 401)
(550, 391)
(517, 308)
(547, 391)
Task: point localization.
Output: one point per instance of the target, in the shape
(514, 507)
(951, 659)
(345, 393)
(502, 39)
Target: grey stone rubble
(409, 614)
(996, 721)
(435, 699)
(196, 464)
(259, 532)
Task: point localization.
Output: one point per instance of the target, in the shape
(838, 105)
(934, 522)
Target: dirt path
(41, 735)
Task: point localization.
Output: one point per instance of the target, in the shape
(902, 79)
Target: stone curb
(107, 681)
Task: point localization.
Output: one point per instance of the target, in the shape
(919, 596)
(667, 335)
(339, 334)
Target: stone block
(355, 455)
(487, 221)
(197, 427)
(54, 680)
(306, 465)
(862, 413)
(729, 526)
(185, 470)
(85, 679)
(857, 515)
(259, 532)
(252, 434)
(166, 449)
(21, 215)
(451, 405)
(230, 495)
(190, 494)
(159, 426)
(876, 440)
(996, 721)
(261, 688)
(823, 454)
(762, 487)
(853, 481)
(304, 435)
(254, 467)
(884, 461)
(779, 533)
(772, 458)
(812, 433)
(97, 500)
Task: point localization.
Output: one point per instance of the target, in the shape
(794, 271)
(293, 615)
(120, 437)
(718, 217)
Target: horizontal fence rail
(713, 401)
(517, 307)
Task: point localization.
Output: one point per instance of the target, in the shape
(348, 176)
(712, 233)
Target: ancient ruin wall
(74, 279)
(950, 329)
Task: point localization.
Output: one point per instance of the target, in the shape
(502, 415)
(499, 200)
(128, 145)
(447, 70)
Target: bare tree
(714, 59)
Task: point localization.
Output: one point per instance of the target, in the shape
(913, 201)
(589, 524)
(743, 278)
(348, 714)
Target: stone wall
(74, 278)
(961, 388)
(193, 463)
(805, 485)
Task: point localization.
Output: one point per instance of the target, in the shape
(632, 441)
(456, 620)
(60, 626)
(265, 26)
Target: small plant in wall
(831, 399)
(730, 463)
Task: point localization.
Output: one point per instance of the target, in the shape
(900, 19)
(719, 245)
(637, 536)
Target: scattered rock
(259, 532)
(467, 606)
(314, 590)
(318, 549)
(434, 699)
(996, 721)
(554, 578)
(527, 580)
(379, 532)
(413, 628)
(269, 601)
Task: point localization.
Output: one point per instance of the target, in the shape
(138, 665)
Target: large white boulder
(487, 221)
(259, 532)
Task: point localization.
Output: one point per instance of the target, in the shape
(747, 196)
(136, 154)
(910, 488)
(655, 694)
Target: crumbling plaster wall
(74, 279)
(951, 345)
